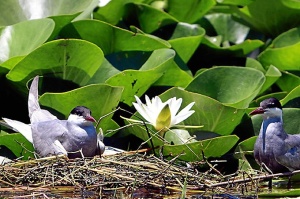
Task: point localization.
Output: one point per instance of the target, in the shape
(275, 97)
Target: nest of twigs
(125, 172)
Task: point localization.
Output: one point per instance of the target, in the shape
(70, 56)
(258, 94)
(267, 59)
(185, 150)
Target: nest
(132, 173)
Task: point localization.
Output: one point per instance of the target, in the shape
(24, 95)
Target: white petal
(138, 99)
(142, 111)
(151, 114)
(175, 105)
(148, 101)
(180, 118)
(183, 114)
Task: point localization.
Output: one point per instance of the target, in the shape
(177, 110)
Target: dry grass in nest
(124, 172)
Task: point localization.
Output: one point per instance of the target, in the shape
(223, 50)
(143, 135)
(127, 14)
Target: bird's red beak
(259, 110)
(89, 118)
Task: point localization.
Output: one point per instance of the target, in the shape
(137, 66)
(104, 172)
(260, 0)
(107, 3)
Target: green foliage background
(225, 55)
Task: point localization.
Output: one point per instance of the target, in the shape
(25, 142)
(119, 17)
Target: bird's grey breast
(80, 138)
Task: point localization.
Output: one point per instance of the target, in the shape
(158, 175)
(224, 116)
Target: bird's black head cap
(271, 103)
(81, 111)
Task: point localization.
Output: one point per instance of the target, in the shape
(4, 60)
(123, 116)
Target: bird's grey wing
(47, 136)
(258, 149)
(24, 129)
(36, 114)
(290, 156)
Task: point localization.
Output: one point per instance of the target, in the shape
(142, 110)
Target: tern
(74, 137)
(274, 148)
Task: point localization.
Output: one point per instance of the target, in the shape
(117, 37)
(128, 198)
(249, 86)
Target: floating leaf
(61, 58)
(189, 11)
(283, 52)
(185, 39)
(232, 86)
(111, 38)
(18, 144)
(22, 38)
(210, 148)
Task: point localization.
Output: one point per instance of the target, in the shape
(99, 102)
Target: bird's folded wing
(24, 129)
(290, 156)
(47, 135)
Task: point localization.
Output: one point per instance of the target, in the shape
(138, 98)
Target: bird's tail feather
(33, 103)
(24, 129)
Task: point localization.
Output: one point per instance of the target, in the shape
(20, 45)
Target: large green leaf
(134, 83)
(111, 38)
(288, 81)
(101, 99)
(60, 58)
(151, 19)
(283, 52)
(113, 11)
(14, 11)
(272, 74)
(245, 147)
(18, 144)
(230, 30)
(22, 38)
(189, 11)
(240, 49)
(161, 61)
(233, 86)
(284, 16)
(185, 40)
(210, 148)
(295, 93)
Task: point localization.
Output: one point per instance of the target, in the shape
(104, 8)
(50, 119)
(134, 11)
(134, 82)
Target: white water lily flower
(163, 115)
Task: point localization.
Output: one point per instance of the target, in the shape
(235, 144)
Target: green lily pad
(18, 144)
(210, 148)
(189, 11)
(272, 74)
(288, 81)
(134, 83)
(22, 38)
(158, 17)
(283, 52)
(241, 49)
(13, 12)
(257, 15)
(230, 30)
(111, 38)
(186, 39)
(101, 99)
(232, 86)
(295, 93)
(245, 147)
(61, 58)
(163, 61)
